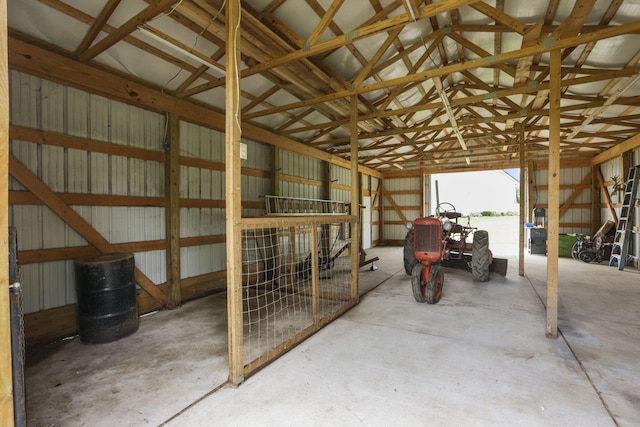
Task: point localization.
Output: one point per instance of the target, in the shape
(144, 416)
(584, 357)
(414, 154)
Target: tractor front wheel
(418, 284)
(480, 256)
(409, 257)
(434, 285)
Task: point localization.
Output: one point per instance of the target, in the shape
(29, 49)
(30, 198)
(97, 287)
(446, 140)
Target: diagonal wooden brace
(75, 221)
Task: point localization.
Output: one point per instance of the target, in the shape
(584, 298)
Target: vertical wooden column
(328, 181)
(6, 382)
(172, 211)
(553, 213)
(277, 170)
(355, 197)
(596, 211)
(522, 204)
(315, 275)
(531, 191)
(233, 195)
(422, 191)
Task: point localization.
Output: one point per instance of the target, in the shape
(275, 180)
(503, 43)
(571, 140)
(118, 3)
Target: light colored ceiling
(441, 85)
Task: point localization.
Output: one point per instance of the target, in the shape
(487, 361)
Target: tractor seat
(453, 215)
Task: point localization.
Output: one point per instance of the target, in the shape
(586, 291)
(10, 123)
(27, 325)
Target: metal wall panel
(295, 165)
(411, 204)
(40, 104)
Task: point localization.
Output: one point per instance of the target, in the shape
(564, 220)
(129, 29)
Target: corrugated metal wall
(577, 219)
(340, 184)
(296, 166)
(40, 104)
(406, 193)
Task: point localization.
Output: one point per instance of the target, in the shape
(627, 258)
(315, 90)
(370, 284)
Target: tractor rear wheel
(434, 285)
(418, 285)
(409, 257)
(480, 256)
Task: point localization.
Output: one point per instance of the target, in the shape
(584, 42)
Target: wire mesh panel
(296, 277)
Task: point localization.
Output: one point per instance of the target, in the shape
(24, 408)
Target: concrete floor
(479, 357)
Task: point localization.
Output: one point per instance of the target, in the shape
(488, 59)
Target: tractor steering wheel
(445, 208)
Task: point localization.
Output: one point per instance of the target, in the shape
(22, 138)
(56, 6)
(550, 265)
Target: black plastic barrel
(106, 289)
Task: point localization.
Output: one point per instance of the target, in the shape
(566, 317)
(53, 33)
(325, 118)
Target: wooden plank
(567, 204)
(501, 17)
(6, 383)
(365, 31)
(75, 221)
(60, 140)
(300, 180)
(233, 195)
(172, 211)
(327, 17)
(617, 150)
(596, 214)
(354, 249)
(553, 222)
(607, 197)
(97, 26)
(396, 208)
(521, 236)
(74, 199)
(125, 29)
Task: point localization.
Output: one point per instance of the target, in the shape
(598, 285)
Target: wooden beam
(553, 224)
(327, 17)
(576, 192)
(355, 198)
(125, 29)
(6, 383)
(97, 26)
(358, 33)
(501, 17)
(75, 221)
(234, 196)
(630, 144)
(521, 232)
(607, 197)
(471, 64)
(596, 213)
(396, 208)
(172, 211)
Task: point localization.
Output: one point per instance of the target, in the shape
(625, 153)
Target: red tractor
(437, 241)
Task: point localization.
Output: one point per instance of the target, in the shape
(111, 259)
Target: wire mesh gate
(298, 274)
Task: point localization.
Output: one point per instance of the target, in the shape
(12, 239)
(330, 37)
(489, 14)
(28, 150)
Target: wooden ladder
(620, 249)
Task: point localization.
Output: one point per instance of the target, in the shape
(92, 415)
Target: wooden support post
(6, 383)
(596, 212)
(554, 196)
(521, 232)
(355, 198)
(172, 211)
(381, 214)
(234, 196)
(277, 171)
(531, 191)
(315, 274)
(329, 183)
